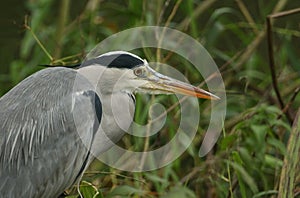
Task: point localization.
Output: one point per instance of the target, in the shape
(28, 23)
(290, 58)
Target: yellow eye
(140, 72)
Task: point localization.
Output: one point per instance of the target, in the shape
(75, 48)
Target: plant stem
(288, 172)
(63, 18)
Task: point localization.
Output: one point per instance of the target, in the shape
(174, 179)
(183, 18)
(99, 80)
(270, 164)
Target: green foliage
(248, 158)
(87, 190)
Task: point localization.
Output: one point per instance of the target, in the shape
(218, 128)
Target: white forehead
(120, 53)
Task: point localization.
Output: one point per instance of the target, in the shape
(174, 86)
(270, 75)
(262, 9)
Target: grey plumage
(41, 150)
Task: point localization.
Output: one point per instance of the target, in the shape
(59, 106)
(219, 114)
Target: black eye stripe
(115, 61)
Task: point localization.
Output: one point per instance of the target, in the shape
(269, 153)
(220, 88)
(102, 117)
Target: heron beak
(159, 83)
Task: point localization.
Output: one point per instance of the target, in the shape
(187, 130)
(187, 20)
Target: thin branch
(147, 140)
(61, 25)
(161, 14)
(272, 62)
(171, 16)
(290, 102)
(197, 12)
(259, 38)
(36, 39)
(247, 15)
(285, 13)
(271, 58)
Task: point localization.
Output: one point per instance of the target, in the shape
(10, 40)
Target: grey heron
(46, 117)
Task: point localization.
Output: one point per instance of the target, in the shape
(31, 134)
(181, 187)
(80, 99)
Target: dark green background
(247, 160)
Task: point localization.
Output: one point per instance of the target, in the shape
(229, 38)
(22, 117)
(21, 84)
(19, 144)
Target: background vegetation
(258, 152)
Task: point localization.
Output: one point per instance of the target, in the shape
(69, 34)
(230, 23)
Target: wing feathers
(44, 138)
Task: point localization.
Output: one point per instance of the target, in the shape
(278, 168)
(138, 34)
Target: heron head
(128, 72)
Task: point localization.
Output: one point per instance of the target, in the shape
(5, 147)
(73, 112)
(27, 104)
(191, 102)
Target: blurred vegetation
(248, 160)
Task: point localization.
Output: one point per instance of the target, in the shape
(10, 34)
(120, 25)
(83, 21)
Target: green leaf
(244, 176)
(126, 190)
(156, 179)
(260, 132)
(277, 144)
(245, 155)
(227, 141)
(273, 161)
(236, 157)
(266, 193)
(179, 192)
(87, 190)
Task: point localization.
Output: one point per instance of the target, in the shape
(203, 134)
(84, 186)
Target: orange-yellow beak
(160, 84)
